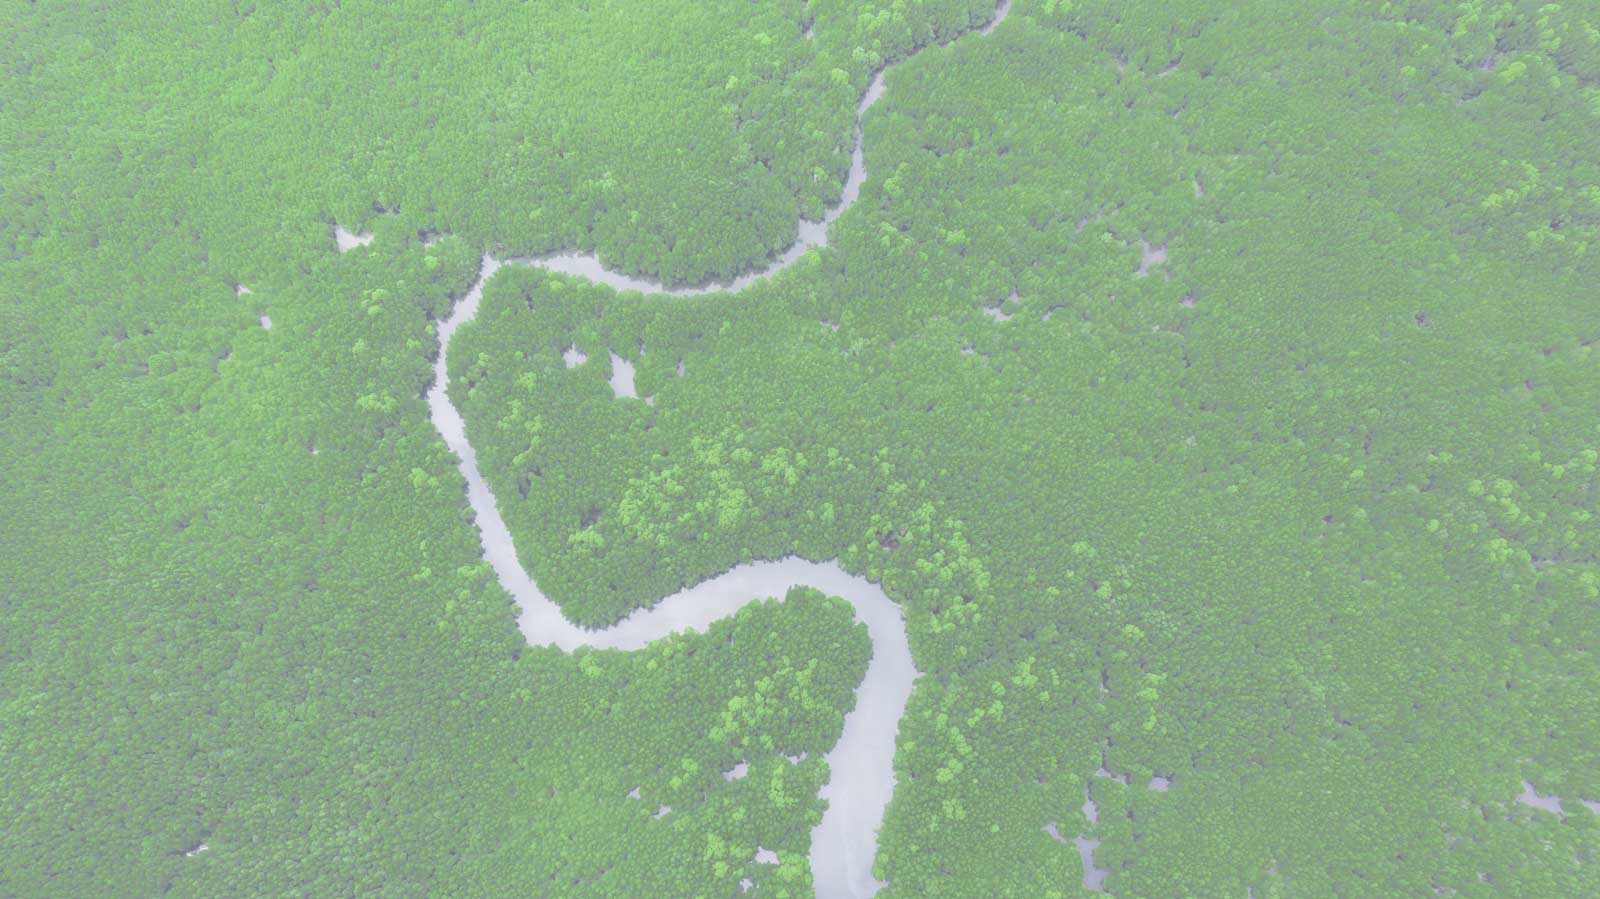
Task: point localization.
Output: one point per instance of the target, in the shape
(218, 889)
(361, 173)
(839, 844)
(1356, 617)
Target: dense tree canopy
(1213, 385)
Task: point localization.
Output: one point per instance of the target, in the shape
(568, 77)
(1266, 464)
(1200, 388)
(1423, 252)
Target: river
(861, 765)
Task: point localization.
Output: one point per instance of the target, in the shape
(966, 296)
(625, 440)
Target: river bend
(861, 765)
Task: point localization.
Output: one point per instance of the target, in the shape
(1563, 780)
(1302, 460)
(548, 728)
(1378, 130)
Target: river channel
(861, 765)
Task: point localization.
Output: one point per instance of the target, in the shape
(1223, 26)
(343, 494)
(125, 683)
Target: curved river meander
(861, 764)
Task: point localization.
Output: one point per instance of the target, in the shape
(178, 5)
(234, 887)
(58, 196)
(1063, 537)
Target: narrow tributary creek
(861, 765)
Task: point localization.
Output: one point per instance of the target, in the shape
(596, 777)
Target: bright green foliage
(1303, 519)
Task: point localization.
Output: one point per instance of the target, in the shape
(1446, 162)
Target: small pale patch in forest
(737, 771)
(240, 290)
(1531, 797)
(1094, 877)
(1150, 256)
(997, 312)
(1188, 300)
(746, 884)
(765, 856)
(622, 377)
(1160, 784)
(661, 811)
(573, 357)
(266, 322)
(1091, 809)
(633, 793)
(347, 240)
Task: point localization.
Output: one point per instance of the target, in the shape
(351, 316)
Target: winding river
(861, 764)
